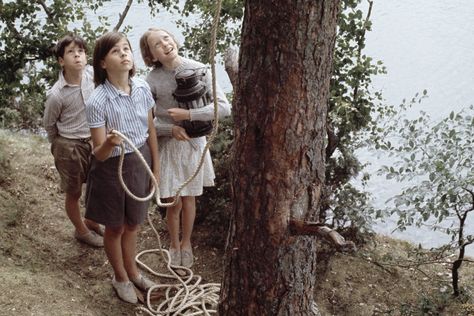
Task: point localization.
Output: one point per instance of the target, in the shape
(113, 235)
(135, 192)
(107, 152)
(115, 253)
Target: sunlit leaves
(438, 158)
(195, 20)
(28, 32)
(352, 104)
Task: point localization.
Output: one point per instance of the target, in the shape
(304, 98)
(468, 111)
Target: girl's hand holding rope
(113, 139)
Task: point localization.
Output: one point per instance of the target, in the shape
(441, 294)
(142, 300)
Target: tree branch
(298, 227)
(392, 265)
(47, 11)
(15, 34)
(467, 243)
(123, 15)
(472, 195)
(458, 213)
(359, 48)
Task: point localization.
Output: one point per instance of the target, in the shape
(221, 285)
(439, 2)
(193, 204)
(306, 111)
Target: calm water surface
(425, 44)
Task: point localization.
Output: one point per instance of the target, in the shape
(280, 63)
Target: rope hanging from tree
(188, 296)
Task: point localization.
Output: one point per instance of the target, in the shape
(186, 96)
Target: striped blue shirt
(114, 109)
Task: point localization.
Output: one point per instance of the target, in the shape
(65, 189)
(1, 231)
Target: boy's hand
(178, 114)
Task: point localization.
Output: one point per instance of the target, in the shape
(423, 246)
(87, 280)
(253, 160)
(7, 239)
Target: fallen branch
(298, 227)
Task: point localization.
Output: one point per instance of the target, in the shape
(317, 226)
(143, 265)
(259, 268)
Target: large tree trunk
(278, 168)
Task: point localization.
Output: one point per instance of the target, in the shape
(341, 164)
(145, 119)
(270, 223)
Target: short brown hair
(65, 41)
(145, 48)
(102, 47)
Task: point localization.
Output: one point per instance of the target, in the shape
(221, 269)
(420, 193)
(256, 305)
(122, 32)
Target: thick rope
(188, 297)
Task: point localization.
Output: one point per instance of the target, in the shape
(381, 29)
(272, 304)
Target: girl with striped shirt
(123, 103)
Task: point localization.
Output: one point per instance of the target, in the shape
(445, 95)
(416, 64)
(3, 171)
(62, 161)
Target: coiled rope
(188, 296)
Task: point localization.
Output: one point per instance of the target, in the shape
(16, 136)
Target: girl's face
(119, 58)
(162, 47)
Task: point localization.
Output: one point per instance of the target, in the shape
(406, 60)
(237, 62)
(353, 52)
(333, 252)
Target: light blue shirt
(114, 109)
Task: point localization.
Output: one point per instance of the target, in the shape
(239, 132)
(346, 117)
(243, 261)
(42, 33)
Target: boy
(67, 129)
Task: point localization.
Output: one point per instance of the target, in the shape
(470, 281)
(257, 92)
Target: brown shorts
(106, 201)
(72, 160)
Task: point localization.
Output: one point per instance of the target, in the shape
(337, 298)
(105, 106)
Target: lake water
(425, 44)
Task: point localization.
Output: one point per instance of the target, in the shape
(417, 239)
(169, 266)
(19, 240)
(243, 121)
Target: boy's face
(74, 58)
(162, 46)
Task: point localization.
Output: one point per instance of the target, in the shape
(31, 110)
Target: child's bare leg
(129, 249)
(189, 214)
(129, 252)
(74, 213)
(172, 221)
(113, 249)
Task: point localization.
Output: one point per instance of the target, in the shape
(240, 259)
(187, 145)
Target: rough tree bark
(278, 168)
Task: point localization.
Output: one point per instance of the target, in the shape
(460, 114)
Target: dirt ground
(45, 271)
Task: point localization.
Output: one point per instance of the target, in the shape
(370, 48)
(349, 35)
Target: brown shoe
(91, 238)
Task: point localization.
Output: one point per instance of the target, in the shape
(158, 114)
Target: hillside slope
(44, 271)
